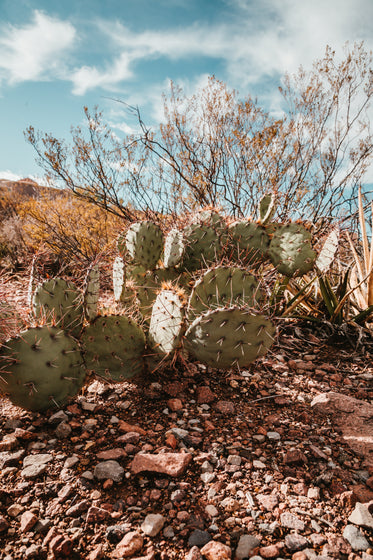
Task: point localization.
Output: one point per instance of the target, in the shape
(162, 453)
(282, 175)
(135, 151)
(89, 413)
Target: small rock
(246, 545)
(291, 521)
(109, 469)
(295, 457)
(152, 524)
(28, 520)
(112, 454)
(172, 464)
(199, 538)
(361, 516)
(70, 462)
(174, 405)
(295, 542)
(96, 515)
(230, 504)
(58, 417)
(211, 510)
(268, 501)
(4, 525)
(205, 395)
(131, 543)
(270, 551)
(61, 546)
(215, 550)
(194, 554)
(355, 537)
(14, 510)
(225, 407)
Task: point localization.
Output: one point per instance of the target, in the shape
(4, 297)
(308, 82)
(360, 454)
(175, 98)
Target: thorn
(221, 340)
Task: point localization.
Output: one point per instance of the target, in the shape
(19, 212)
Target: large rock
(173, 464)
(353, 417)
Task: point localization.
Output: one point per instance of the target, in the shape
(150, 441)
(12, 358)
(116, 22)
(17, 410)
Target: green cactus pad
(249, 241)
(167, 321)
(290, 250)
(122, 244)
(91, 292)
(119, 279)
(223, 286)
(61, 303)
(209, 217)
(114, 347)
(144, 243)
(230, 337)
(173, 248)
(43, 367)
(267, 208)
(203, 246)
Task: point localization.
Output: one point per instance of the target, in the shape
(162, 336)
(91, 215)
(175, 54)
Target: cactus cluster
(195, 290)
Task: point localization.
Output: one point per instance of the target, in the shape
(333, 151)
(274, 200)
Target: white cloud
(34, 51)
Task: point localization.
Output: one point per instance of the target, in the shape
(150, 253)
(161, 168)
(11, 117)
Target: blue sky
(56, 57)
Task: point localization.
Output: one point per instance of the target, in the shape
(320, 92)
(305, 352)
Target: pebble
(152, 524)
(109, 469)
(215, 550)
(4, 525)
(291, 521)
(63, 430)
(131, 543)
(199, 538)
(28, 520)
(295, 542)
(355, 537)
(211, 510)
(172, 464)
(361, 516)
(194, 554)
(246, 545)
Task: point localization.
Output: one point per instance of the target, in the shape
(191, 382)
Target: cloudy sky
(56, 57)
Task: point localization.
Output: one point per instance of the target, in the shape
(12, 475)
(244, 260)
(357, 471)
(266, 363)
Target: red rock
(174, 388)
(174, 405)
(225, 407)
(97, 553)
(171, 441)
(352, 416)
(172, 464)
(215, 550)
(108, 454)
(125, 427)
(8, 442)
(4, 525)
(61, 546)
(205, 395)
(28, 520)
(96, 514)
(268, 501)
(270, 551)
(295, 457)
(129, 437)
(362, 493)
(130, 544)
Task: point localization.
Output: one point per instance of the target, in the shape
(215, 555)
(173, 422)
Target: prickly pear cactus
(290, 250)
(209, 217)
(144, 244)
(249, 242)
(223, 286)
(327, 254)
(113, 347)
(91, 292)
(267, 208)
(42, 368)
(61, 303)
(167, 321)
(119, 279)
(173, 248)
(203, 246)
(229, 337)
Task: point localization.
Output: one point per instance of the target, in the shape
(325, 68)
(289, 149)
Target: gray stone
(245, 546)
(199, 538)
(361, 516)
(356, 538)
(295, 542)
(152, 524)
(291, 521)
(109, 469)
(58, 417)
(63, 430)
(38, 459)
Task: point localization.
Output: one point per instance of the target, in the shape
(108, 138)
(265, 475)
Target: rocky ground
(275, 461)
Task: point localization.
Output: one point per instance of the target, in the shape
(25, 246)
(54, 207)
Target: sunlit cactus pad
(144, 243)
(113, 347)
(42, 368)
(59, 302)
(173, 248)
(290, 250)
(203, 246)
(167, 321)
(249, 241)
(223, 286)
(119, 279)
(231, 337)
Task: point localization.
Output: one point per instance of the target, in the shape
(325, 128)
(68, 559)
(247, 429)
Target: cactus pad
(267, 208)
(290, 250)
(167, 321)
(229, 337)
(91, 292)
(43, 367)
(144, 244)
(114, 347)
(60, 303)
(119, 279)
(203, 246)
(250, 241)
(223, 286)
(173, 248)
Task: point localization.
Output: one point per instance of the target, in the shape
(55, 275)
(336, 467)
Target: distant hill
(26, 187)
